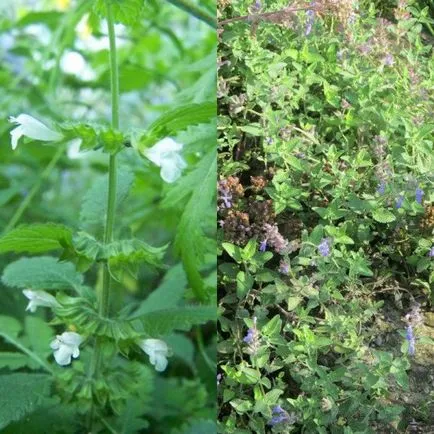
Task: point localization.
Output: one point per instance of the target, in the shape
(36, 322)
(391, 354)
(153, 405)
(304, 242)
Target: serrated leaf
(25, 393)
(168, 294)
(120, 255)
(33, 345)
(382, 215)
(190, 241)
(83, 314)
(131, 252)
(44, 272)
(252, 130)
(13, 361)
(162, 322)
(36, 238)
(177, 120)
(124, 11)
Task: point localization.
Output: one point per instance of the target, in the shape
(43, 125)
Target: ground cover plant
(107, 219)
(325, 208)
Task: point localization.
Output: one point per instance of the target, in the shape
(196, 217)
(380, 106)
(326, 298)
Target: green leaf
(244, 283)
(94, 207)
(190, 241)
(293, 302)
(252, 130)
(83, 314)
(124, 11)
(120, 255)
(249, 250)
(25, 393)
(36, 238)
(127, 254)
(272, 327)
(177, 120)
(34, 345)
(44, 272)
(234, 251)
(168, 294)
(202, 427)
(382, 215)
(162, 322)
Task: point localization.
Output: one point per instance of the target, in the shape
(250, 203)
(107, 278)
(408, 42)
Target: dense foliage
(120, 266)
(326, 215)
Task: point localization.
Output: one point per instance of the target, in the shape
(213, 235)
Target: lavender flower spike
(399, 201)
(310, 20)
(381, 188)
(410, 338)
(263, 246)
(419, 194)
(252, 338)
(280, 415)
(283, 267)
(324, 247)
(431, 252)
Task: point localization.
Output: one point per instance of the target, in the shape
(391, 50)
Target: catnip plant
(88, 353)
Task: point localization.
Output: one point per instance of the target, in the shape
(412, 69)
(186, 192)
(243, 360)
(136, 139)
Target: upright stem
(111, 204)
(104, 302)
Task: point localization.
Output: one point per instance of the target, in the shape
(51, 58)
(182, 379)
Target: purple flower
(399, 201)
(381, 188)
(252, 339)
(226, 198)
(248, 339)
(225, 194)
(278, 419)
(419, 194)
(410, 338)
(310, 20)
(388, 60)
(278, 409)
(219, 378)
(283, 267)
(431, 252)
(279, 416)
(324, 247)
(263, 246)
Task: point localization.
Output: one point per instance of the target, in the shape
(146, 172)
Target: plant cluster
(325, 199)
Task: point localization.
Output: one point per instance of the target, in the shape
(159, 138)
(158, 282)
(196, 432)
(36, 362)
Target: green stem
(36, 187)
(104, 302)
(196, 11)
(203, 353)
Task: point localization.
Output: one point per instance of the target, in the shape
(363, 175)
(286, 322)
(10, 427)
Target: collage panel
(325, 216)
(107, 217)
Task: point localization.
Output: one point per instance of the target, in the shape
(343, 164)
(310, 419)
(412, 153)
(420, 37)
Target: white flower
(30, 127)
(39, 298)
(167, 154)
(157, 350)
(66, 346)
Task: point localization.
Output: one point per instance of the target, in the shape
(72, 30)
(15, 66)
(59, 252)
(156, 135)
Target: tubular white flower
(167, 154)
(66, 346)
(30, 127)
(39, 298)
(157, 350)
